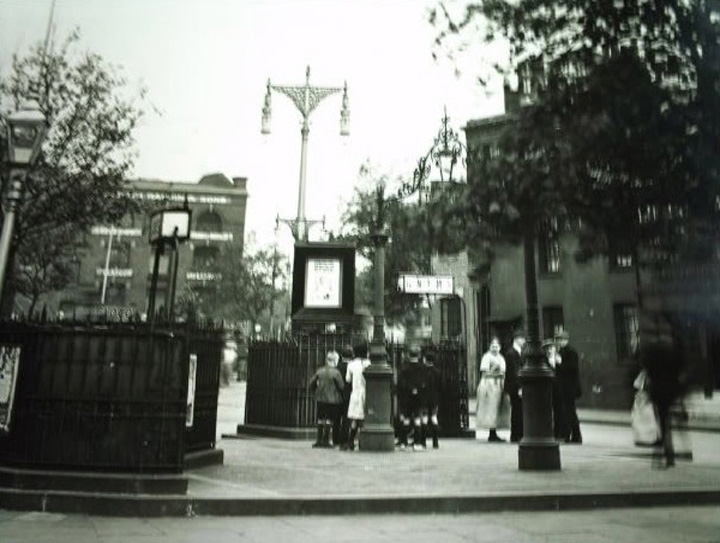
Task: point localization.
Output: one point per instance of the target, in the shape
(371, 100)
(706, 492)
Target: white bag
(644, 419)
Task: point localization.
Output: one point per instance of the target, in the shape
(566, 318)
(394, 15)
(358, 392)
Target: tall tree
(248, 285)
(79, 179)
(631, 92)
(409, 249)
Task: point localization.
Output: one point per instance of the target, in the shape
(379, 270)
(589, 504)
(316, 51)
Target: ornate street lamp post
(446, 151)
(378, 434)
(306, 99)
(25, 132)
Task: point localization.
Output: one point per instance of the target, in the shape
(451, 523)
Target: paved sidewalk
(655, 525)
(269, 476)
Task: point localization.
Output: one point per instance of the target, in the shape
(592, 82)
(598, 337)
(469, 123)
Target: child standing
(356, 407)
(327, 384)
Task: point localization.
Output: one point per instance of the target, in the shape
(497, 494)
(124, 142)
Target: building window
(205, 256)
(209, 221)
(620, 257)
(120, 254)
(549, 247)
(450, 318)
(553, 321)
(626, 331)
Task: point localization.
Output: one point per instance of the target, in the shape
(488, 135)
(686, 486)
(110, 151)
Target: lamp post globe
(26, 129)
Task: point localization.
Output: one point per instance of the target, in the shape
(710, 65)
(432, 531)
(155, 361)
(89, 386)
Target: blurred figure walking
(662, 356)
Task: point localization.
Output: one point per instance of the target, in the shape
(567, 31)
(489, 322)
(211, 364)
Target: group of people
(499, 391)
(339, 388)
(418, 394)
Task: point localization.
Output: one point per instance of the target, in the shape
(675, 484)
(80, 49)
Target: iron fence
(109, 396)
(278, 374)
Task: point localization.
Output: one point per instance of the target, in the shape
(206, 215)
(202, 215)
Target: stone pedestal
(377, 433)
(539, 450)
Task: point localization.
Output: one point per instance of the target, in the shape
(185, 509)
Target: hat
(518, 332)
(414, 352)
(347, 352)
(562, 334)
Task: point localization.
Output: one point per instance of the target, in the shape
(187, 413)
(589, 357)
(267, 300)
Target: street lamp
(378, 434)
(25, 132)
(306, 99)
(446, 151)
(167, 226)
(538, 449)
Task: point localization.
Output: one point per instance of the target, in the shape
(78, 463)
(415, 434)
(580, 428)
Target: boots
(494, 438)
(327, 436)
(318, 441)
(417, 438)
(434, 434)
(351, 438)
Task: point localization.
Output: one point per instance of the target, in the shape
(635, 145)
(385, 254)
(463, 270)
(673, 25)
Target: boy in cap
(411, 390)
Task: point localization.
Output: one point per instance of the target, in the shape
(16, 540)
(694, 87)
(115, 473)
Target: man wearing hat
(513, 363)
(568, 379)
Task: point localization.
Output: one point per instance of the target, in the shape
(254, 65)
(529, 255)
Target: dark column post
(377, 433)
(538, 450)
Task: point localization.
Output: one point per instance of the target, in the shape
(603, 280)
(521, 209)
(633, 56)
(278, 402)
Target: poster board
(9, 369)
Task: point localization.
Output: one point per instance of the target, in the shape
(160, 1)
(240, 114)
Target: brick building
(595, 301)
(113, 273)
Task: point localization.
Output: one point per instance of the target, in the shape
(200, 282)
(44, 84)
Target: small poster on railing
(9, 368)
(192, 377)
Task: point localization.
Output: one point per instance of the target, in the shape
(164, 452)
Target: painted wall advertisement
(9, 368)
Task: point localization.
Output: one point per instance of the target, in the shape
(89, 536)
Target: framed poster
(9, 368)
(323, 283)
(192, 381)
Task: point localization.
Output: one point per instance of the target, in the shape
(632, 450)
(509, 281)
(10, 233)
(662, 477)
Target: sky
(205, 65)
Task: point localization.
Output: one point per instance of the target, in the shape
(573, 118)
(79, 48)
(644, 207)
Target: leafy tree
(79, 179)
(248, 284)
(621, 131)
(408, 250)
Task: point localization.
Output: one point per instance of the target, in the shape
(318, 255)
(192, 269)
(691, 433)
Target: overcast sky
(205, 64)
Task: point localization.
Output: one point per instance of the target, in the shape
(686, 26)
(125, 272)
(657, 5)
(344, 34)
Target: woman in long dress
(490, 392)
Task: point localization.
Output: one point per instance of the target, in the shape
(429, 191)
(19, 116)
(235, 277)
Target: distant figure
(568, 377)
(662, 356)
(490, 391)
(327, 384)
(513, 362)
(356, 406)
(432, 397)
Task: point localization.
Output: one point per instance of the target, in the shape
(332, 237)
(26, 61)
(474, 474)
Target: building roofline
(185, 186)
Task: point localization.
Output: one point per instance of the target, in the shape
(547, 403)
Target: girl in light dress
(490, 392)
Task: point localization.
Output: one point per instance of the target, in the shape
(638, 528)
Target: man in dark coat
(513, 363)
(568, 378)
(341, 427)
